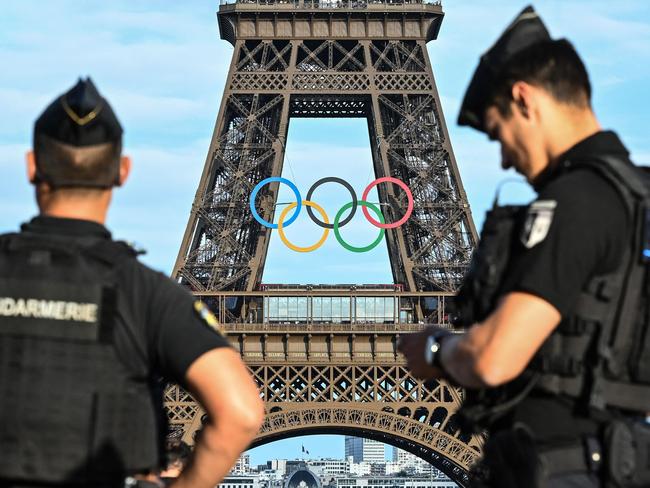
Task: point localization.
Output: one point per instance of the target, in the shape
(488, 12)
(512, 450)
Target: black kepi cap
(80, 117)
(83, 120)
(527, 29)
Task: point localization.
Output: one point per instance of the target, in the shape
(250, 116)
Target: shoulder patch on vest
(538, 221)
(207, 316)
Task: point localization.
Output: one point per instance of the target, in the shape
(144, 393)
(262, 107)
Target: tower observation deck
(361, 19)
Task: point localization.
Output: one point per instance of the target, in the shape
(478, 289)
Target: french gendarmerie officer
(86, 330)
(556, 358)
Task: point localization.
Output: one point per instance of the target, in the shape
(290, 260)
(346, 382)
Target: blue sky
(163, 67)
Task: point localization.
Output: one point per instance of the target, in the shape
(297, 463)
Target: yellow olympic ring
(284, 238)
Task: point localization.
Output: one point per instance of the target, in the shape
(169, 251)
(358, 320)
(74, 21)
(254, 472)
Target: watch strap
(434, 357)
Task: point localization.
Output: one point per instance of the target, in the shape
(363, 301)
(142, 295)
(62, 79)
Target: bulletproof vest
(70, 409)
(481, 287)
(600, 354)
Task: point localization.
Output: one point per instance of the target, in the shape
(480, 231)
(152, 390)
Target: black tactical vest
(70, 410)
(599, 355)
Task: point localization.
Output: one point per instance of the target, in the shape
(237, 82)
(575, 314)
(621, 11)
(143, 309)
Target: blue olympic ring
(257, 188)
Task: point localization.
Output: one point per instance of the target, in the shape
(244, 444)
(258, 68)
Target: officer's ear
(522, 97)
(30, 158)
(125, 169)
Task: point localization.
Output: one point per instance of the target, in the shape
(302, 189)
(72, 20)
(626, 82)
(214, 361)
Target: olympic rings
(348, 187)
(257, 188)
(381, 224)
(281, 226)
(409, 208)
(349, 247)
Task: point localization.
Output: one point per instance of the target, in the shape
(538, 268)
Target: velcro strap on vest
(105, 250)
(575, 326)
(626, 395)
(555, 384)
(592, 307)
(565, 460)
(561, 365)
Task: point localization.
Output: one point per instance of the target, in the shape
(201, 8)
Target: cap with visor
(527, 29)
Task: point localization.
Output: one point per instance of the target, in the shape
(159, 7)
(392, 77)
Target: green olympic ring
(349, 247)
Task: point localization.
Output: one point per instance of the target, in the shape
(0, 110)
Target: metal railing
(321, 327)
(334, 309)
(332, 4)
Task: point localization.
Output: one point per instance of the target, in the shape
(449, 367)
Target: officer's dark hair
(553, 65)
(88, 166)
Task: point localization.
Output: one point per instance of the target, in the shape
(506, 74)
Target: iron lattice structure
(334, 58)
(317, 376)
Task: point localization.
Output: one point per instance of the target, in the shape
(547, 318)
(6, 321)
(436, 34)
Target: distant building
(408, 471)
(302, 478)
(411, 464)
(393, 468)
(242, 465)
(393, 482)
(364, 450)
(279, 465)
(327, 469)
(238, 481)
(270, 477)
(359, 469)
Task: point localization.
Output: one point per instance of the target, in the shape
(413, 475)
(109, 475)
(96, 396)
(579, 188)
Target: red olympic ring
(409, 196)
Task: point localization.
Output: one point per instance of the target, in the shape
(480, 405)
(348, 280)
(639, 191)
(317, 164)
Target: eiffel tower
(325, 356)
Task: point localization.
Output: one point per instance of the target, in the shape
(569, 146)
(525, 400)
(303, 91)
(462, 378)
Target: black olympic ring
(333, 179)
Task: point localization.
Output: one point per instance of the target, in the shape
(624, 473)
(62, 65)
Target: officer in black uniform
(555, 360)
(87, 332)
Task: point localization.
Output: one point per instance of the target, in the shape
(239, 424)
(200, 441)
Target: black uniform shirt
(168, 329)
(580, 225)
(578, 229)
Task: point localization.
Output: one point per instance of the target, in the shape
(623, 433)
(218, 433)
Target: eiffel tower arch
(325, 356)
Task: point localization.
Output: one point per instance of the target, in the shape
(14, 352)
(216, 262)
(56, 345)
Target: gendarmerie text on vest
(48, 309)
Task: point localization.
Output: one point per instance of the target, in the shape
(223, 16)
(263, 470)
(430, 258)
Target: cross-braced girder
(381, 401)
(438, 238)
(395, 56)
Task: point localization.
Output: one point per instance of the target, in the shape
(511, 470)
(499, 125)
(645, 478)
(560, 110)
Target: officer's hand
(412, 346)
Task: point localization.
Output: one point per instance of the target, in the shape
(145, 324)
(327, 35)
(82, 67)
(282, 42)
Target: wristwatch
(432, 348)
